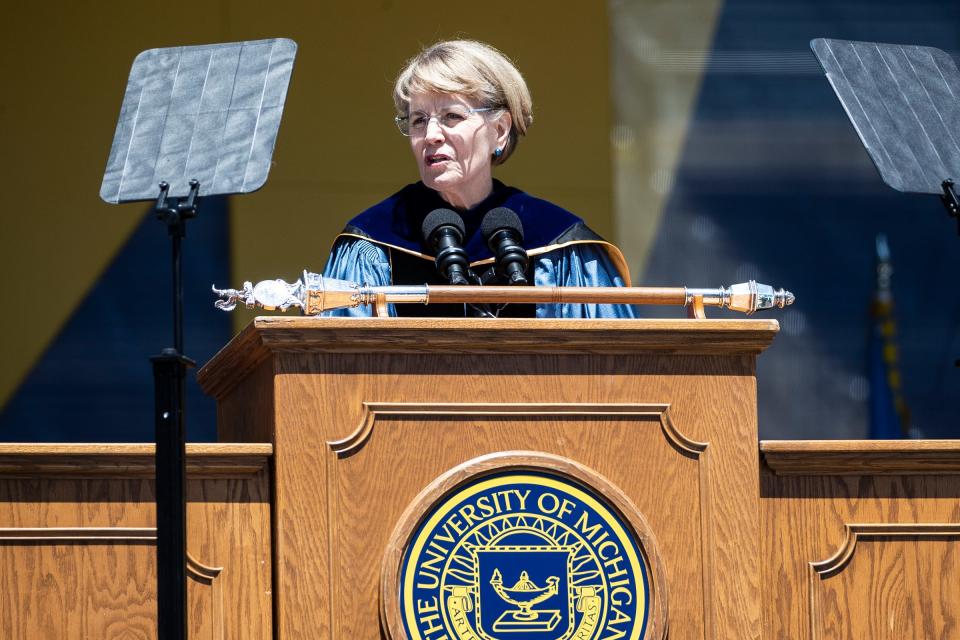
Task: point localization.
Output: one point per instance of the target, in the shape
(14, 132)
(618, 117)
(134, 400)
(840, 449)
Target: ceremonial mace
(314, 294)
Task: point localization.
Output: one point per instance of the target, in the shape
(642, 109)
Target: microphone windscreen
(501, 218)
(439, 218)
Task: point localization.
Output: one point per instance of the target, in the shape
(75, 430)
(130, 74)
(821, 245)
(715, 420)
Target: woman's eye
(453, 117)
(418, 120)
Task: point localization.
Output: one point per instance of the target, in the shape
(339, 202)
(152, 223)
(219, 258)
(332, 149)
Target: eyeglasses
(416, 123)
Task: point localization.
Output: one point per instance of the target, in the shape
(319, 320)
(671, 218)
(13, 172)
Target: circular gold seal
(522, 546)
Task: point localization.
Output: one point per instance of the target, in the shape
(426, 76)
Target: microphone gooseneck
(503, 231)
(443, 232)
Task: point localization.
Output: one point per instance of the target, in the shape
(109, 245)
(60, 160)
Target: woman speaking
(464, 106)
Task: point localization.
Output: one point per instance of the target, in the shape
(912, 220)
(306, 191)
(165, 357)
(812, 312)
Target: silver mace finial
(747, 297)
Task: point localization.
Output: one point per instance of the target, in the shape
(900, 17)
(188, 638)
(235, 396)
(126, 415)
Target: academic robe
(383, 246)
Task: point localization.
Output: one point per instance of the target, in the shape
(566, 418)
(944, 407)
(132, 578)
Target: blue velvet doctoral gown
(382, 246)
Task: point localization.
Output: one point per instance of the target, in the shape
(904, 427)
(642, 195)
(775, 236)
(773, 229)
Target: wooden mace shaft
(547, 295)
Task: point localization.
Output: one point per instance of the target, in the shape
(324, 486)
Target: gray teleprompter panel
(207, 112)
(904, 102)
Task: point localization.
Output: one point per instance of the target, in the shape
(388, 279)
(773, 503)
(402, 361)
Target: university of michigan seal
(524, 554)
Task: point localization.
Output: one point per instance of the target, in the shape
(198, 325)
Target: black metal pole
(169, 370)
(951, 201)
(170, 374)
(177, 290)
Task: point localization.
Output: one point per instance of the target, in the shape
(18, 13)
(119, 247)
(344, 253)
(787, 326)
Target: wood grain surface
(77, 543)
(862, 457)
(856, 549)
(269, 334)
(666, 410)
(888, 581)
(88, 460)
(505, 294)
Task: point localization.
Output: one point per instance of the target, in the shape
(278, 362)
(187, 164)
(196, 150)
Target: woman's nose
(434, 131)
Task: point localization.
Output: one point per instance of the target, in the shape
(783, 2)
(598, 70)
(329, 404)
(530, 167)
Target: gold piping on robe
(613, 251)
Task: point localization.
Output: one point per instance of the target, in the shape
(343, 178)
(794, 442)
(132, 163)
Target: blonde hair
(474, 70)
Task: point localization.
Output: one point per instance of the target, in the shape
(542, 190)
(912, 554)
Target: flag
(889, 417)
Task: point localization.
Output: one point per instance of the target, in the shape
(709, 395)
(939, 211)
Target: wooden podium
(336, 434)
(365, 414)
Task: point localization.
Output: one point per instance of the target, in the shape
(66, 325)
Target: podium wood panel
(861, 539)
(364, 414)
(77, 542)
(448, 434)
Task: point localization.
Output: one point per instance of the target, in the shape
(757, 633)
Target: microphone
(504, 234)
(443, 232)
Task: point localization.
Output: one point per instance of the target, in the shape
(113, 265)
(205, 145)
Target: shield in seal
(524, 590)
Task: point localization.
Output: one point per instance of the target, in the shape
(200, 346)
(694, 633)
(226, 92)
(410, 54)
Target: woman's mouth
(436, 159)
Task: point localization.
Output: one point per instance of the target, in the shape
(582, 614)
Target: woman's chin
(439, 182)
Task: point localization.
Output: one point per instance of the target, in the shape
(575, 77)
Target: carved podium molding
(372, 410)
(843, 559)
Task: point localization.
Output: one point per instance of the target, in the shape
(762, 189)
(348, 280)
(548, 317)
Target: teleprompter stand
(191, 116)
